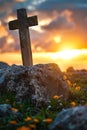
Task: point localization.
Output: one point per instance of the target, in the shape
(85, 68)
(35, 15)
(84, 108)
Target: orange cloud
(10, 40)
(3, 31)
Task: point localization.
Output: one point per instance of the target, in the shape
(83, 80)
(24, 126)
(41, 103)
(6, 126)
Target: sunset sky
(60, 37)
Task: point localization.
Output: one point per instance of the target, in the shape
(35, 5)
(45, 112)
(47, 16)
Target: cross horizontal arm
(13, 25)
(31, 21)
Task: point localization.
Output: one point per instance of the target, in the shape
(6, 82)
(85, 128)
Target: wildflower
(73, 104)
(13, 122)
(48, 120)
(23, 128)
(36, 120)
(14, 109)
(32, 126)
(56, 97)
(78, 88)
(28, 119)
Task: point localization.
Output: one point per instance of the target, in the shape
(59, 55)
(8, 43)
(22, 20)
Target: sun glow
(58, 39)
(10, 40)
(10, 18)
(69, 54)
(75, 57)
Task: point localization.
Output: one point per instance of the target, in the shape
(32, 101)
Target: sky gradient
(62, 27)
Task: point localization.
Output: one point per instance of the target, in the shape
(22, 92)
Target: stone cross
(22, 24)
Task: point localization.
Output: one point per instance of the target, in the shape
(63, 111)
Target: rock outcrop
(3, 65)
(38, 83)
(71, 119)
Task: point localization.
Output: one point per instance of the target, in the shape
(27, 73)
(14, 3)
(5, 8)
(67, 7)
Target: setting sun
(68, 54)
(63, 58)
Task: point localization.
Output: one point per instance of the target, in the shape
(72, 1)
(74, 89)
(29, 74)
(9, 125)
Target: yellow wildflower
(13, 122)
(23, 128)
(78, 88)
(28, 119)
(48, 120)
(73, 104)
(32, 126)
(14, 109)
(36, 120)
(56, 97)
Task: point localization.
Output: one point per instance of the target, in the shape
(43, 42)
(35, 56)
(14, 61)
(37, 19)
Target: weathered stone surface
(3, 65)
(39, 82)
(6, 110)
(71, 119)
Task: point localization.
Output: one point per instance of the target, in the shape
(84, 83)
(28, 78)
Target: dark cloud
(13, 46)
(61, 22)
(9, 7)
(62, 4)
(2, 42)
(4, 47)
(80, 18)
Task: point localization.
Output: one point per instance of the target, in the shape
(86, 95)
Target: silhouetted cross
(22, 24)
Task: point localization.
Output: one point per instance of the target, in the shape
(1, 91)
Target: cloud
(54, 16)
(3, 31)
(2, 43)
(63, 21)
(62, 4)
(7, 45)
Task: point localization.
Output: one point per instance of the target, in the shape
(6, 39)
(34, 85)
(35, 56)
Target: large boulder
(71, 119)
(38, 83)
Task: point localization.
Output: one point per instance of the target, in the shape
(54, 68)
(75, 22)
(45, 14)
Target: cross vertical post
(22, 24)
